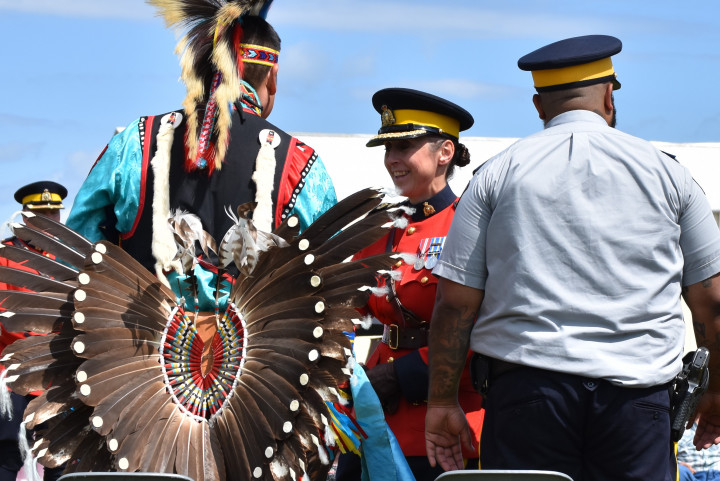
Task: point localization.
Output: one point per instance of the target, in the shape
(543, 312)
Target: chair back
(502, 475)
(114, 476)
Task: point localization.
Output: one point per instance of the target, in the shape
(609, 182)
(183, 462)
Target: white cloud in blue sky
(74, 70)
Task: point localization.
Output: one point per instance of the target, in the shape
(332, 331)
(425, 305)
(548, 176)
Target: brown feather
(275, 412)
(17, 300)
(139, 412)
(37, 321)
(94, 318)
(166, 443)
(113, 406)
(301, 308)
(280, 288)
(33, 282)
(39, 362)
(91, 455)
(49, 244)
(133, 448)
(97, 342)
(103, 299)
(133, 374)
(230, 436)
(54, 401)
(336, 218)
(65, 435)
(59, 230)
(253, 428)
(35, 260)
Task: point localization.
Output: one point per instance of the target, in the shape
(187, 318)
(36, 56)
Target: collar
(576, 116)
(249, 99)
(440, 201)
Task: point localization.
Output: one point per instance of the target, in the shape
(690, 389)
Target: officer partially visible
(564, 268)
(45, 198)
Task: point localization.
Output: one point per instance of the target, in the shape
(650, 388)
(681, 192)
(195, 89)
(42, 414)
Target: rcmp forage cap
(408, 113)
(45, 194)
(573, 62)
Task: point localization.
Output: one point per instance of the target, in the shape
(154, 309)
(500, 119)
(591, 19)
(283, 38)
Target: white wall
(353, 166)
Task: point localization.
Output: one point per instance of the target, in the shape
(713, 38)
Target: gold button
(411, 230)
(424, 280)
(398, 263)
(387, 298)
(390, 359)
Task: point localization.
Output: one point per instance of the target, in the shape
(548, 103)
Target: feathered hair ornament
(211, 48)
(133, 382)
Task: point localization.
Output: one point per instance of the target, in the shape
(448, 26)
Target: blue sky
(74, 70)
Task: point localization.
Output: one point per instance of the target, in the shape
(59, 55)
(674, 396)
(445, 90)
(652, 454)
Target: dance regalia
(116, 200)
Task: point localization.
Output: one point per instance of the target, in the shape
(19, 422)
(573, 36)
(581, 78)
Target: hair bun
(463, 155)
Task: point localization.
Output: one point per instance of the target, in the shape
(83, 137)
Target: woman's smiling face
(417, 166)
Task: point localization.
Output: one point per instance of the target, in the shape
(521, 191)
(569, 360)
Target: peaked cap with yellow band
(408, 113)
(44, 194)
(573, 62)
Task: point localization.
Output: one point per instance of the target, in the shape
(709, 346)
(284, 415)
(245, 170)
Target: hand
(446, 432)
(384, 381)
(708, 418)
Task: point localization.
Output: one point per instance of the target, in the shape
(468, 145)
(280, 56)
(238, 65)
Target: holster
(483, 370)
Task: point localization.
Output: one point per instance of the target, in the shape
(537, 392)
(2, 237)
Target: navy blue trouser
(589, 429)
(10, 457)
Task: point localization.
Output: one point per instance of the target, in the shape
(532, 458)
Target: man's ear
(607, 99)
(272, 80)
(538, 106)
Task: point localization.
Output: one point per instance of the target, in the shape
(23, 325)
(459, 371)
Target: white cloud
(459, 88)
(127, 9)
(437, 19)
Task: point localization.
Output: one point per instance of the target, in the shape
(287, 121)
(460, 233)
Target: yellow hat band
(575, 73)
(41, 197)
(447, 125)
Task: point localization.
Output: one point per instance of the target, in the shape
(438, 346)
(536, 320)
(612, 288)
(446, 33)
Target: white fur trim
(264, 178)
(163, 242)
(6, 410)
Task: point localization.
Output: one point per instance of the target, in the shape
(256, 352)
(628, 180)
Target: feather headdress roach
(211, 52)
(134, 383)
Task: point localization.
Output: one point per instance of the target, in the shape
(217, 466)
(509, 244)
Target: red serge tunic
(8, 337)
(423, 236)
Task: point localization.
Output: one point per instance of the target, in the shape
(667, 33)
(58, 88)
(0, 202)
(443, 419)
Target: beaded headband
(259, 54)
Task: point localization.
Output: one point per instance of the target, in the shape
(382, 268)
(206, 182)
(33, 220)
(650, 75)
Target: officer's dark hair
(461, 157)
(258, 32)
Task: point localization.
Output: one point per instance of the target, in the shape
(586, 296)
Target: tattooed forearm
(449, 345)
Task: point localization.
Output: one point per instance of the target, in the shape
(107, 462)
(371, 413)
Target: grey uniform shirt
(581, 237)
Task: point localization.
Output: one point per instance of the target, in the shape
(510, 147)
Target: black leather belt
(499, 367)
(397, 337)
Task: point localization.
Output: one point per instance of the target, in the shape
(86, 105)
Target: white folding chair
(114, 476)
(502, 475)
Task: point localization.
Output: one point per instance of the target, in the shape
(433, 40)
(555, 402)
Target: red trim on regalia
(289, 178)
(98, 158)
(143, 178)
